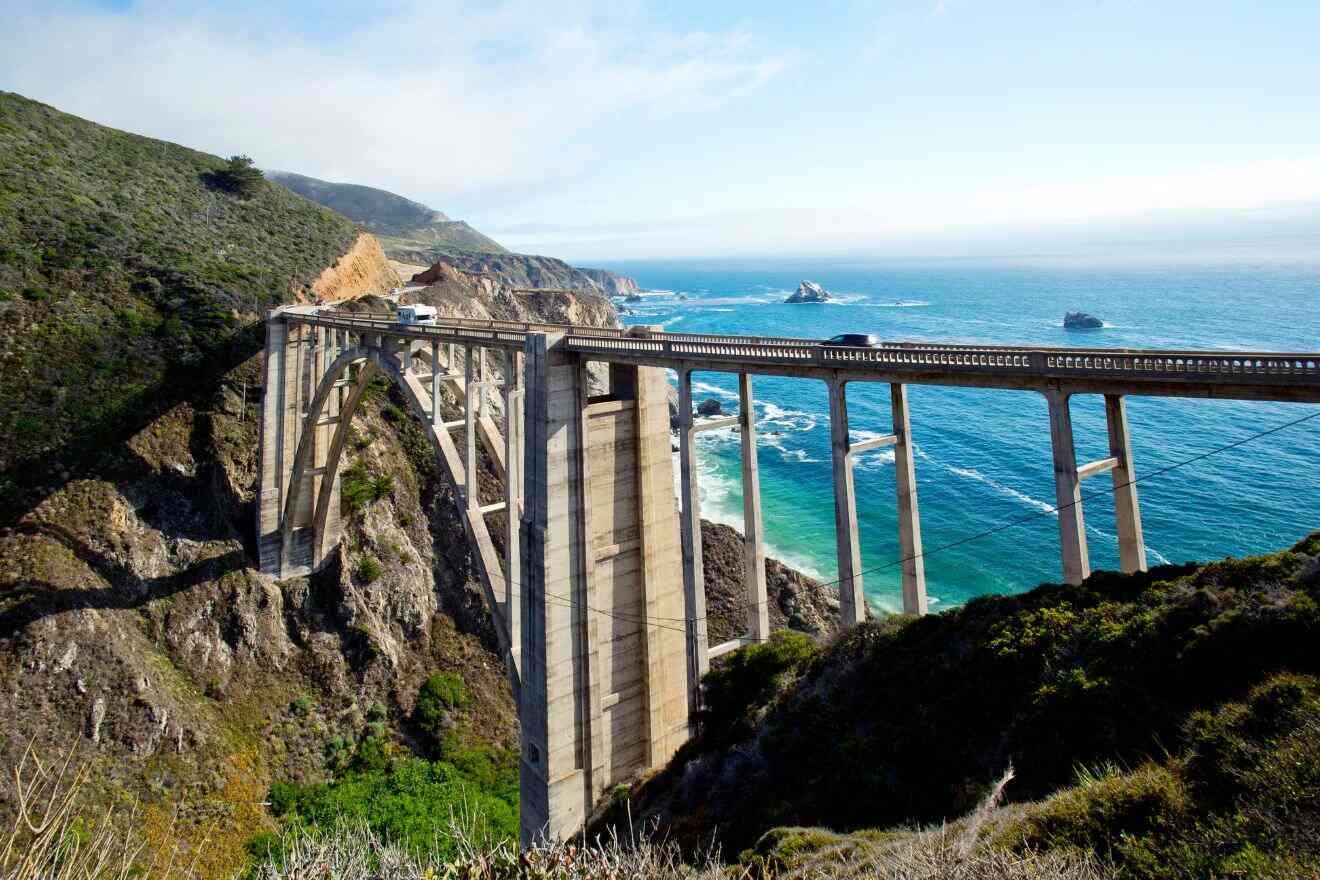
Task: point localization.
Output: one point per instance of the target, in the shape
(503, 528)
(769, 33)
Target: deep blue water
(984, 456)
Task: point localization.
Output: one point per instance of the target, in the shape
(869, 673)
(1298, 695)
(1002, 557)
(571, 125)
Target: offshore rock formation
(1082, 321)
(809, 292)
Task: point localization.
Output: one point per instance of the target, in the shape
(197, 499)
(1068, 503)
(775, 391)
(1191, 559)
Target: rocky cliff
(611, 283)
(362, 270)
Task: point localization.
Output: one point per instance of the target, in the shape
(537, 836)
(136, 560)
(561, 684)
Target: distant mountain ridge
(402, 224)
(411, 232)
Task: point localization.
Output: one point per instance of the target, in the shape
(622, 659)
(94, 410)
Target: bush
(358, 487)
(440, 694)
(240, 177)
(368, 569)
(752, 675)
(411, 802)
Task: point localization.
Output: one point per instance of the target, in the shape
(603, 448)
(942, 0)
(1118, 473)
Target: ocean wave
(706, 388)
(1008, 491)
(720, 498)
(790, 419)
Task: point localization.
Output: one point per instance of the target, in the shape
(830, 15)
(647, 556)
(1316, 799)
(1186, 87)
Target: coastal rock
(809, 292)
(1082, 321)
(633, 298)
(710, 407)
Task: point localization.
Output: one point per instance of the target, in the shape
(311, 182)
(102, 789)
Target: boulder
(1082, 321)
(809, 292)
(710, 407)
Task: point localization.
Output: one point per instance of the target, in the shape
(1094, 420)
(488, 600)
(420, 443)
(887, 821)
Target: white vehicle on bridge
(417, 314)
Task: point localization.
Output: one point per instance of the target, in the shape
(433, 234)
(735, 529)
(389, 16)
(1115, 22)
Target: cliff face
(362, 270)
(611, 283)
(521, 271)
(796, 601)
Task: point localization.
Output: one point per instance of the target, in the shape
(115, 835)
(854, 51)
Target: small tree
(240, 177)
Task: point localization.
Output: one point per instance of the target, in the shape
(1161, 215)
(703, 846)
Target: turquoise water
(983, 457)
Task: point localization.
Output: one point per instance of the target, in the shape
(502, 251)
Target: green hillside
(126, 270)
(1170, 719)
(405, 228)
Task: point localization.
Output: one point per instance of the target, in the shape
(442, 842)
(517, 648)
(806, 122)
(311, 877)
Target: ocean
(983, 457)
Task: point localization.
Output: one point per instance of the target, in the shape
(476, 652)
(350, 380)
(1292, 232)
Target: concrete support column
(1067, 491)
(271, 445)
(694, 581)
(470, 429)
(436, 418)
(852, 602)
(758, 609)
(513, 429)
(1127, 509)
(556, 753)
(909, 515)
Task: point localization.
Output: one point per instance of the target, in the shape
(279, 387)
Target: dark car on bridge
(853, 340)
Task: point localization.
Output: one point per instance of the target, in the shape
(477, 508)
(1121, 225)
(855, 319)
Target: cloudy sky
(626, 129)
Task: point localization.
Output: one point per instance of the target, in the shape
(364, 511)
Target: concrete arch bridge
(598, 599)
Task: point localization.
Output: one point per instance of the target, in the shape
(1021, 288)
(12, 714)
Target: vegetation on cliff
(1169, 719)
(124, 260)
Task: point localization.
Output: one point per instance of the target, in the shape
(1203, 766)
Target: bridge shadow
(31, 601)
(101, 448)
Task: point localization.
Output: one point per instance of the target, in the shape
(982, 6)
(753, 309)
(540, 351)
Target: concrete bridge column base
(604, 685)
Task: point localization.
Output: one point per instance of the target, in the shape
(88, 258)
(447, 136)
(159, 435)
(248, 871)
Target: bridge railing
(899, 357)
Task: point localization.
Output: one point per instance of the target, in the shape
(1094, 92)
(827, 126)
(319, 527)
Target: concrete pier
(694, 578)
(1127, 510)
(604, 681)
(909, 515)
(1067, 491)
(758, 608)
(852, 601)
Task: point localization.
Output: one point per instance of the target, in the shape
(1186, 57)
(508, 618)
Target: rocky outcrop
(809, 292)
(513, 270)
(1082, 321)
(611, 283)
(362, 270)
(711, 406)
(796, 601)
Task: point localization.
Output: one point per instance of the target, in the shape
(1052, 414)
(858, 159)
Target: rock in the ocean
(1082, 321)
(809, 292)
(633, 298)
(709, 407)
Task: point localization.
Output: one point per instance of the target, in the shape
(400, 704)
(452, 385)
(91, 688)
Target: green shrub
(358, 487)
(240, 177)
(368, 569)
(752, 675)
(439, 695)
(410, 801)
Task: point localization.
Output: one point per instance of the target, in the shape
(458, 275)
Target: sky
(626, 129)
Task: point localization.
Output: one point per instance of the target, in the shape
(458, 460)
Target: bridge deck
(1247, 375)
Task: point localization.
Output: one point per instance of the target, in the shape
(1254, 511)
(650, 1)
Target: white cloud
(435, 100)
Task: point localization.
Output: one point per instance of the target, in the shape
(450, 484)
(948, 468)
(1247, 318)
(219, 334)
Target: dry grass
(50, 840)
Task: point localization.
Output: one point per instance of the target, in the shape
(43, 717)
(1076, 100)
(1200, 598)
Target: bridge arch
(308, 515)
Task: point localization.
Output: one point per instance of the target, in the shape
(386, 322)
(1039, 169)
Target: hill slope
(124, 270)
(404, 225)
(1121, 684)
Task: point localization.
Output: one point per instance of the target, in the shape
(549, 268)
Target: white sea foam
(706, 388)
(1009, 491)
(717, 494)
(788, 419)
